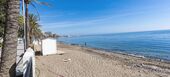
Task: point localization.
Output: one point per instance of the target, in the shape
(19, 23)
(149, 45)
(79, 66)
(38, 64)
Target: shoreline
(103, 52)
(120, 52)
(77, 61)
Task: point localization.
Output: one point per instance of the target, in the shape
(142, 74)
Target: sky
(83, 17)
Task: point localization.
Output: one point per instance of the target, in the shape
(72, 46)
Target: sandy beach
(86, 62)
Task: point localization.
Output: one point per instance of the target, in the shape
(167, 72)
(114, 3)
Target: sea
(150, 44)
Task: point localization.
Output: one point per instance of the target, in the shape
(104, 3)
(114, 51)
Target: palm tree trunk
(8, 56)
(27, 26)
(30, 35)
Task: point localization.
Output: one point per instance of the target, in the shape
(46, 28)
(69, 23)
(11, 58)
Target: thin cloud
(51, 16)
(96, 20)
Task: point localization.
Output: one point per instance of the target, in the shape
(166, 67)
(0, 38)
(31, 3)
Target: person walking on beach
(85, 44)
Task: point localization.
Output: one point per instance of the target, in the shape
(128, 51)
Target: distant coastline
(117, 33)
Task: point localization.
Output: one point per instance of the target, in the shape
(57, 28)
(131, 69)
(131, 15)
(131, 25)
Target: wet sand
(78, 61)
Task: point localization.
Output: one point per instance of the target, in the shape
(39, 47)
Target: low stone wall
(29, 63)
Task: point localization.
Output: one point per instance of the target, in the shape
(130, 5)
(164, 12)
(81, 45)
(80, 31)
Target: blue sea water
(152, 44)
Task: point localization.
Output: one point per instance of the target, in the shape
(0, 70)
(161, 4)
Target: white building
(49, 46)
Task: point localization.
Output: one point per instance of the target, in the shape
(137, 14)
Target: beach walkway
(77, 62)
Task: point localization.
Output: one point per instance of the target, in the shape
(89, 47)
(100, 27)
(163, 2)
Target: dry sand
(85, 62)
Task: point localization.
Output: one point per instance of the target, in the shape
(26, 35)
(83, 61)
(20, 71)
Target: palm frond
(36, 10)
(41, 3)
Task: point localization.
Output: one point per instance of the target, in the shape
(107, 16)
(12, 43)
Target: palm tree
(27, 18)
(35, 31)
(8, 57)
(2, 17)
(2, 20)
(21, 27)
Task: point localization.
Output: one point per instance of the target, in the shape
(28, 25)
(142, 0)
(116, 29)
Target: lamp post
(23, 14)
(27, 24)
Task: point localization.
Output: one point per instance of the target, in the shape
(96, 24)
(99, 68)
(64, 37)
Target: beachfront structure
(49, 46)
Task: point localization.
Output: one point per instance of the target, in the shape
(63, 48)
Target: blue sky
(79, 17)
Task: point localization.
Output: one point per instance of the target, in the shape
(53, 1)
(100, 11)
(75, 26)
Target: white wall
(49, 46)
(29, 63)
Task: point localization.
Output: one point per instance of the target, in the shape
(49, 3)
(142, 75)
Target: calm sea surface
(152, 44)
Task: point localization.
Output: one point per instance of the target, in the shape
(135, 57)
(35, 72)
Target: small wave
(140, 56)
